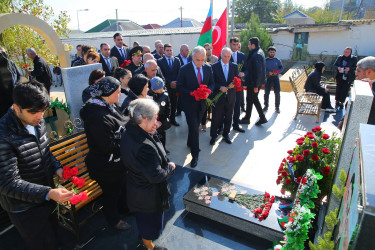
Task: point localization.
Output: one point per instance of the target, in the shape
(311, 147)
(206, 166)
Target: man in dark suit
(119, 50)
(170, 66)
(224, 72)
(256, 77)
(41, 72)
(190, 77)
(109, 64)
(184, 56)
(239, 58)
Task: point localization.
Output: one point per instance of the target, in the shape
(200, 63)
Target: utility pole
(116, 21)
(181, 15)
(232, 22)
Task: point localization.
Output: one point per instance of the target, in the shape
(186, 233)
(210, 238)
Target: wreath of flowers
(315, 150)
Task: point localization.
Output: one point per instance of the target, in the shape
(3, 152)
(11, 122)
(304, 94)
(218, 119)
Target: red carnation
(299, 158)
(306, 152)
(304, 180)
(325, 136)
(83, 196)
(314, 144)
(258, 211)
(79, 182)
(290, 152)
(292, 159)
(278, 181)
(309, 133)
(25, 66)
(315, 157)
(75, 199)
(125, 63)
(237, 82)
(325, 151)
(326, 170)
(201, 92)
(281, 168)
(74, 171)
(284, 160)
(282, 191)
(284, 173)
(288, 181)
(290, 219)
(67, 172)
(311, 136)
(298, 179)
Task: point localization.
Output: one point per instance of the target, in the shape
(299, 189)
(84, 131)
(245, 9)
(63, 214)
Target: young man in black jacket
(27, 167)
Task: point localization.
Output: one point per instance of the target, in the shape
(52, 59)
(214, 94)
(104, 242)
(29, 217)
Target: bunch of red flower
(125, 63)
(71, 175)
(263, 211)
(201, 92)
(275, 71)
(237, 84)
(25, 66)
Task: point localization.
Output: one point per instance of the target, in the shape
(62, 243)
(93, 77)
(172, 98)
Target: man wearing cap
(273, 68)
(119, 50)
(136, 59)
(161, 98)
(170, 66)
(109, 63)
(190, 77)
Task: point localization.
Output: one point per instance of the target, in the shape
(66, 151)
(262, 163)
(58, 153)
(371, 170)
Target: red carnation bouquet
(201, 93)
(70, 174)
(263, 211)
(237, 84)
(125, 63)
(25, 66)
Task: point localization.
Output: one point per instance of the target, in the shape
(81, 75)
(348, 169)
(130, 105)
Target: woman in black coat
(104, 125)
(313, 85)
(148, 170)
(345, 66)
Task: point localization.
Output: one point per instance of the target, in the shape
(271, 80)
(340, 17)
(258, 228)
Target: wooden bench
(71, 151)
(307, 103)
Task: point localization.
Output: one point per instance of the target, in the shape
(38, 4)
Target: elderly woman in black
(104, 125)
(138, 86)
(148, 170)
(313, 85)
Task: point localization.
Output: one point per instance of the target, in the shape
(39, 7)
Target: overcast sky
(143, 11)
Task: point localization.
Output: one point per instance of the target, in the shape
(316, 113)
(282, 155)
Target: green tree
(254, 28)
(18, 38)
(265, 9)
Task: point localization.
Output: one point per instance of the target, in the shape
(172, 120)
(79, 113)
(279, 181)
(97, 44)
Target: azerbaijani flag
(206, 33)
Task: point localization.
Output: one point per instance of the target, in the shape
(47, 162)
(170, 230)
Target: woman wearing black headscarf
(138, 86)
(104, 125)
(345, 65)
(313, 85)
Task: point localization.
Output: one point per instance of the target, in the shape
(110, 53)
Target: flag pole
(227, 23)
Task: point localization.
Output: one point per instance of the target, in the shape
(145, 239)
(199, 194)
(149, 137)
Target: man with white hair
(159, 51)
(366, 72)
(146, 49)
(190, 77)
(41, 72)
(156, 43)
(224, 72)
(184, 56)
(147, 57)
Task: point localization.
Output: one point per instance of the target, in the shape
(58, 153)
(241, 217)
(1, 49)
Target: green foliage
(255, 29)
(320, 14)
(17, 39)
(339, 192)
(326, 243)
(265, 9)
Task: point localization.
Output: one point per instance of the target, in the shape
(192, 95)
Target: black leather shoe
(122, 225)
(227, 139)
(212, 141)
(244, 121)
(265, 108)
(277, 110)
(220, 131)
(239, 129)
(175, 123)
(261, 121)
(194, 162)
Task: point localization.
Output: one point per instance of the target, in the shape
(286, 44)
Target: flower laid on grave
(201, 93)
(125, 63)
(236, 83)
(204, 193)
(315, 150)
(70, 174)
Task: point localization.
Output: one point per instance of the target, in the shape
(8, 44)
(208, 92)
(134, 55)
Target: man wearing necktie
(190, 77)
(224, 72)
(109, 64)
(170, 66)
(119, 50)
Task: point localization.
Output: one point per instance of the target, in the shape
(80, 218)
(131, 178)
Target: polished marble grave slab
(213, 205)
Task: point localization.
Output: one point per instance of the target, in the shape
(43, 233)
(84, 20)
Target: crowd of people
(128, 108)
